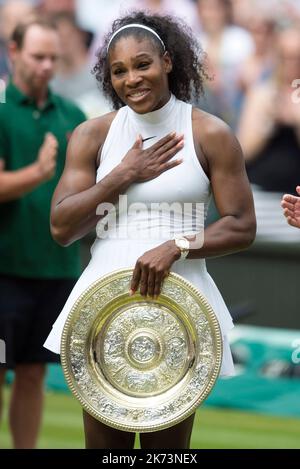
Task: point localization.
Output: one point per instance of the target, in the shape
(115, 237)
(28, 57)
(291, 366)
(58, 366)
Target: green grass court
(214, 428)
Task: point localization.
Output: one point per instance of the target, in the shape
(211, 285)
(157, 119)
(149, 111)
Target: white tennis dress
(142, 219)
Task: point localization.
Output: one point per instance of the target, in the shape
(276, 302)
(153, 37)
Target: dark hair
(21, 29)
(188, 73)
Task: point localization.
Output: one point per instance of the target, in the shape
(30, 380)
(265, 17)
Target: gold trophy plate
(139, 364)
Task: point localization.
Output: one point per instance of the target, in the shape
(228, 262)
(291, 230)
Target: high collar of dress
(155, 117)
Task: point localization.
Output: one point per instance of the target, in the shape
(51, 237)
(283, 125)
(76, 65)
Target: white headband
(136, 25)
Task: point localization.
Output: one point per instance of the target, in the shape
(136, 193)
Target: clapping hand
(291, 208)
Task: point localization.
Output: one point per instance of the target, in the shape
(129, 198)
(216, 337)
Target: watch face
(183, 244)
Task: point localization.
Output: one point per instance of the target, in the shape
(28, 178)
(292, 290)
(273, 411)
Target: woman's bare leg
(100, 436)
(176, 437)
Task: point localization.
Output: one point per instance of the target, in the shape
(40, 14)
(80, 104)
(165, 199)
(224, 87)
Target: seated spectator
(227, 46)
(269, 133)
(259, 65)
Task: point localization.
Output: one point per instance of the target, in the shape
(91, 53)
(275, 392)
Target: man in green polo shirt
(36, 274)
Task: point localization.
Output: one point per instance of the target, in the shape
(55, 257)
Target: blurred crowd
(253, 61)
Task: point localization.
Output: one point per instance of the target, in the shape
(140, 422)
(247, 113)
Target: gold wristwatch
(183, 244)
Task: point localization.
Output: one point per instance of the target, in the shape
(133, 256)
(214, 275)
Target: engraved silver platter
(139, 364)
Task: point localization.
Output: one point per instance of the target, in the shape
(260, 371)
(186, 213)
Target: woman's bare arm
(236, 228)
(73, 209)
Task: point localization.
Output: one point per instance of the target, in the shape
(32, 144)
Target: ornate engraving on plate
(138, 339)
(136, 364)
(143, 349)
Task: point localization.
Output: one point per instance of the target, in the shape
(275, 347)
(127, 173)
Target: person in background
(259, 66)
(36, 275)
(11, 13)
(73, 78)
(227, 46)
(269, 133)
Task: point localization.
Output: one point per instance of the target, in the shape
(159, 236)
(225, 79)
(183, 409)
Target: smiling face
(139, 74)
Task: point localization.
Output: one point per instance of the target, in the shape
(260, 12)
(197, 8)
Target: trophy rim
(218, 351)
